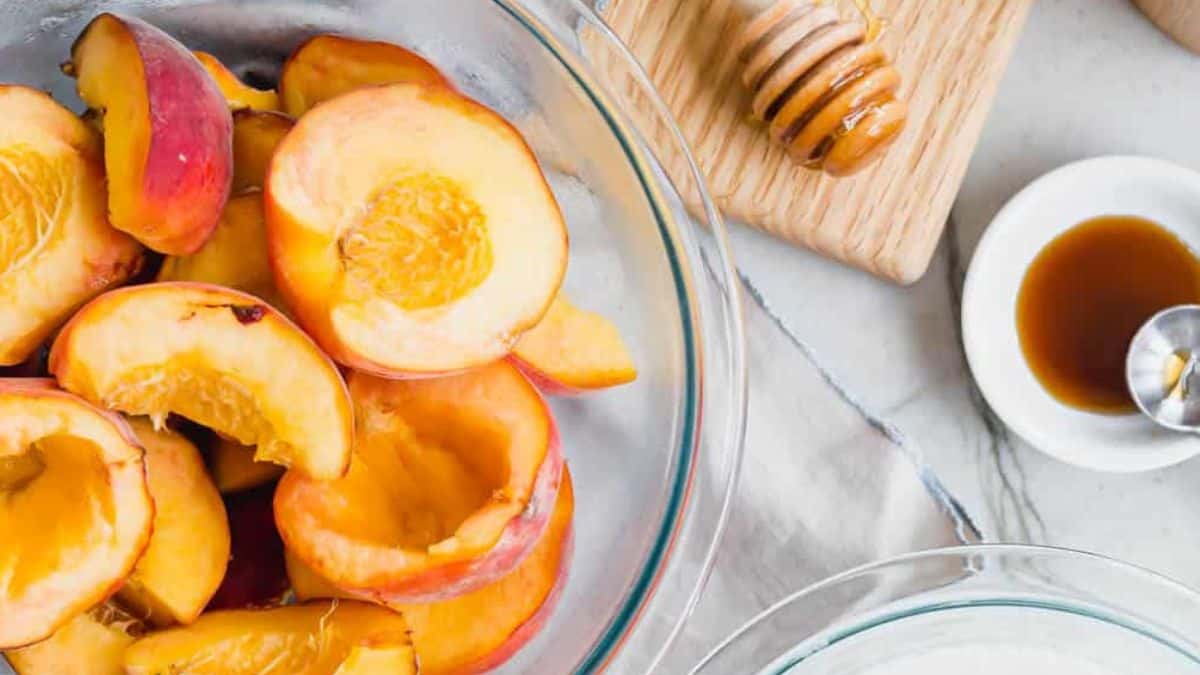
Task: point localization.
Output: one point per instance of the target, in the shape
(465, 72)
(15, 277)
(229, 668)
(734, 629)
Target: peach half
(93, 642)
(238, 94)
(481, 630)
(411, 231)
(58, 249)
(315, 638)
(74, 508)
(256, 134)
(218, 357)
(167, 131)
(233, 467)
(189, 547)
(235, 255)
(572, 350)
(326, 66)
(452, 482)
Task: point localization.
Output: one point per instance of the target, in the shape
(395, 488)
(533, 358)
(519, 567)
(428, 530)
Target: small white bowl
(1163, 192)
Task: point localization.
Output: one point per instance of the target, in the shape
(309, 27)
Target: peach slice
(573, 350)
(238, 94)
(326, 66)
(411, 231)
(167, 132)
(453, 481)
(218, 357)
(234, 469)
(189, 548)
(235, 255)
(74, 508)
(257, 576)
(482, 629)
(93, 642)
(309, 639)
(255, 136)
(58, 249)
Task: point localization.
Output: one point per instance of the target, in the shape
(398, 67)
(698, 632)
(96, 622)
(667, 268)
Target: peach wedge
(93, 642)
(239, 95)
(255, 136)
(167, 132)
(233, 467)
(189, 548)
(452, 482)
(315, 638)
(573, 350)
(58, 249)
(481, 630)
(411, 231)
(219, 357)
(326, 66)
(74, 508)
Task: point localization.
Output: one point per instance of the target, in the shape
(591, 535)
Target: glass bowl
(984, 610)
(654, 462)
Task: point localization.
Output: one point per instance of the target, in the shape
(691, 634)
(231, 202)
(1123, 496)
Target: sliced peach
(411, 231)
(326, 66)
(373, 660)
(57, 249)
(93, 643)
(235, 255)
(189, 549)
(75, 511)
(256, 576)
(234, 469)
(484, 628)
(167, 132)
(573, 350)
(309, 639)
(218, 357)
(238, 94)
(255, 137)
(452, 483)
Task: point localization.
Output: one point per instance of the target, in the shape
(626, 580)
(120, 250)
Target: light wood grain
(886, 219)
(1178, 18)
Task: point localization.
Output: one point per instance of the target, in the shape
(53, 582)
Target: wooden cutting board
(886, 219)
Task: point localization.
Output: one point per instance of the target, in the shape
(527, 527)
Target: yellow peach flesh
(576, 349)
(93, 642)
(255, 136)
(238, 94)
(234, 469)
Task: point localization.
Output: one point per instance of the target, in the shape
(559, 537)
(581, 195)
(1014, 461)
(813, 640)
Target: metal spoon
(1162, 368)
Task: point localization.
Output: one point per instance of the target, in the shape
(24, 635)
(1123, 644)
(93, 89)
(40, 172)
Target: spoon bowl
(1163, 393)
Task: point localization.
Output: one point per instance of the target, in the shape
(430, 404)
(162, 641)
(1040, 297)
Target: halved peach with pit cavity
(75, 511)
(238, 94)
(314, 638)
(57, 249)
(189, 548)
(93, 642)
(411, 230)
(326, 66)
(233, 467)
(167, 132)
(452, 482)
(255, 136)
(219, 357)
(481, 630)
(573, 350)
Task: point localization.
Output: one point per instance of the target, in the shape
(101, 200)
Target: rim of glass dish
(789, 660)
(645, 586)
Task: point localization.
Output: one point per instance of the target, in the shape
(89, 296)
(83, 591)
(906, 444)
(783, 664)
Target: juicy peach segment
(75, 512)
(238, 94)
(235, 255)
(411, 230)
(572, 350)
(484, 628)
(57, 248)
(452, 482)
(189, 547)
(93, 642)
(167, 132)
(255, 137)
(326, 66)
(309, 639)
(218, 357)
(234, 469)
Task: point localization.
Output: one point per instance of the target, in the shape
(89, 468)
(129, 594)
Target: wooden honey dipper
(823, 85)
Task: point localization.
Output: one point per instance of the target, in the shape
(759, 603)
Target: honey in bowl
(1084, 297)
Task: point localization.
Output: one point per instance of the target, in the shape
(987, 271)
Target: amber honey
(1086, 294)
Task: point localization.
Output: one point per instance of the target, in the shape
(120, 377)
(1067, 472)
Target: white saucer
(1163, 192)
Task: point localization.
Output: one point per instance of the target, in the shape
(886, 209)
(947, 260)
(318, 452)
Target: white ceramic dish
(1163, 192)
